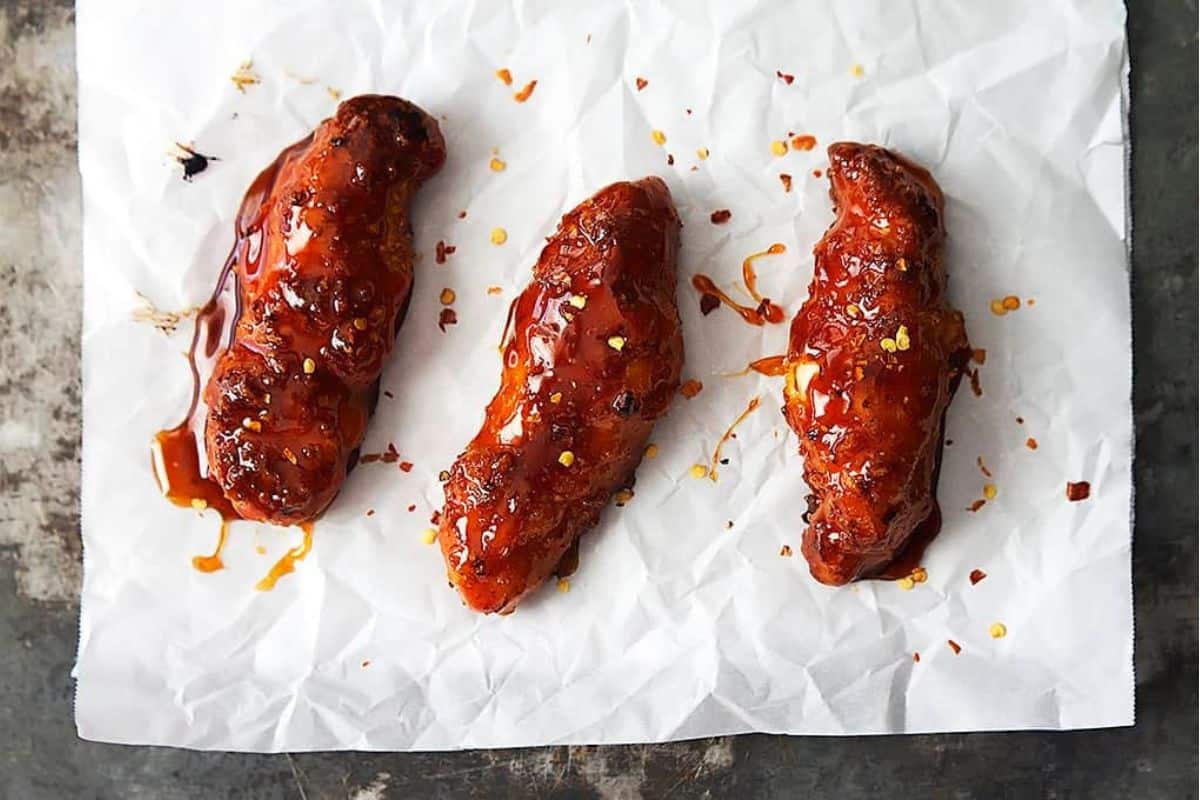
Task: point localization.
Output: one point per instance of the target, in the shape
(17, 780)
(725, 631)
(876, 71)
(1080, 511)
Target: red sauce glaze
(324, 266)
(1078, 491)
(592, 358)
(869, 412)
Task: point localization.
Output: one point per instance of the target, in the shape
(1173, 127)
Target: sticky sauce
(212, 563)
(750, 277)
(751, 407)
(287, 563)
(764, 312)
(771, 366)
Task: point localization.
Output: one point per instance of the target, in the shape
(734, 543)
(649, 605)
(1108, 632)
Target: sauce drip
(751, 277)
(765, 311)
(287, 563)
(212, 563)
(725, 437)
(771, 366)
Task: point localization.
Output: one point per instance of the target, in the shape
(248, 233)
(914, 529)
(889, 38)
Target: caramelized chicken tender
(324, 270)
(592, 358)
(875, 355)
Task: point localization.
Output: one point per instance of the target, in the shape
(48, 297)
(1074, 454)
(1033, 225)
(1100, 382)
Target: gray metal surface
(40, 756)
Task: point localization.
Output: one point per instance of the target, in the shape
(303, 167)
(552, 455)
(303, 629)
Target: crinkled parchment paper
(676, 624)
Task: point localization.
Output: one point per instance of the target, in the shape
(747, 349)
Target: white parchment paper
(675, 625)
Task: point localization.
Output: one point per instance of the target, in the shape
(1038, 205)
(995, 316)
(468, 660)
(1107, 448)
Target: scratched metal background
(39, 519)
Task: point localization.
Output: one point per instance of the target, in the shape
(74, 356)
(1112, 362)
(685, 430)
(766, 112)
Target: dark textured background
(40, 756)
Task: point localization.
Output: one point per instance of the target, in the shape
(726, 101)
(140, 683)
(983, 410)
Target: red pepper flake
(370, 512)
(976, 387)
(525, 92)
(670, 160)
(389, 456)
(412, 508)
(817, 173)
(786, 180)
(406, 466)
(978, 504)
(366, 664)
(785, 551)
(442, 251)
(1031, 443)
(720, 216)
(495, 289)
(785, 77)
(641, 83)
(505, 76)
(1078, 491)
(462, 214)
(1020, 420)
(388, 394)
(976, 576)
(447, 317)
(979, 356)
(987, 473)
(435, 518)
(709, 303)
(804, 142)
(955, 646)
(691, 388)
(916, 658)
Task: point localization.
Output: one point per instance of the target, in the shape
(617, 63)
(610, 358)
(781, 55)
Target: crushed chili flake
(817, 173)
(670, 160)
(689, 111)
(462, 214)
(785, 77)
(709, 303)
(366, 664)
(804, 142)
(436, 517)
(720, 216)
(388, 394)
(447, 317)
(728, 524)
(1030, 302)
(525, 92)
(406, 466)
(505, 76)
(1020, 420)
(370, 512)
(442, 250)
(641, 83)
(978, 504)
(1003, 305)
(244, 76)
(987, 473)
(389, 456)
(976, 576)
(1078, 491)
(979, 356)
(785, 551)
(976, 386)
(412, 508)
(495, 289)
(955, 646)
(1031, 443)
(916, 658)
(691, 388)
(786, 180)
